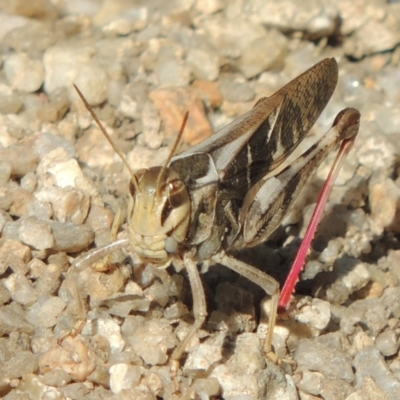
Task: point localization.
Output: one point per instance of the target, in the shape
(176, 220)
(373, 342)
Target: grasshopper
(227, 192)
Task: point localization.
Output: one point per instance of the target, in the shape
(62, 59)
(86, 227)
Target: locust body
(227, 193)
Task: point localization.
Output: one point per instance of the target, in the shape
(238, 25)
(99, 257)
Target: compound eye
(134, 182)
(176, 193)
(176, 197)
(132, 188)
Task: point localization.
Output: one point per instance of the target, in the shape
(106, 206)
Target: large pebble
(124, 376)
(12, 251)
(23, 363)
(73, 356)
(69, 204)
(325, 355)
(9, 22)
(254, 60)
(387, 343)
(70, 237)
(11, 322)
(384, 197)
(172, 105)
(204, 64)
(226, 34)
(316, 18)
(21, 158)
(370, 313)
(46, 311)
(24, 73)
(67, 64)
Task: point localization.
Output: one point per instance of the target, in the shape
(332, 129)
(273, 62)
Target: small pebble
(157, 293)
(56, 108)
(311, 382)
(73, 357)
(206, 387)
(75, 390)
(209, 92)
(5, 172)
(111, 330)
(142, 67)
(347, 277)
(122, 305)
(21, 289)
(316, 316)
(36, 233)
(387, 343)
(152, 340)
(57, 378)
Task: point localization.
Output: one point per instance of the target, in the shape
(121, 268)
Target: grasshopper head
(158, 213)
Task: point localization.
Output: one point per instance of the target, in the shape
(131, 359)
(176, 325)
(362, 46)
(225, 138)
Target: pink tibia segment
(298, 263)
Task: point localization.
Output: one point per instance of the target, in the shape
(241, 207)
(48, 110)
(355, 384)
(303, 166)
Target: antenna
(105, 133)
(173, 150)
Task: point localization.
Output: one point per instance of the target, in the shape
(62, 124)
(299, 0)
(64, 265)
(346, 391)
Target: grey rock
(204, 63)
(172, 72)
(23, 363)
(70, 237)
(234, 88)
(255, 60)
(21, 158)
(325, 355)
(11, 321)
(46, 311)
(370, 363)
(316, 19)
(387, 343)
(369, 312)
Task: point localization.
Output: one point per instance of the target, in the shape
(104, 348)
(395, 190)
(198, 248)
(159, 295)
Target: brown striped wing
(259, 141)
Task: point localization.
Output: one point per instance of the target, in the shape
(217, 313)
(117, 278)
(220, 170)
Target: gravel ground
(142, 64)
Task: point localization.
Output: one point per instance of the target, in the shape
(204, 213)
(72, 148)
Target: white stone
(316, 315)
(123, 376)
(112, 332)
(69, 64)
(21, 289)
(24, 73)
